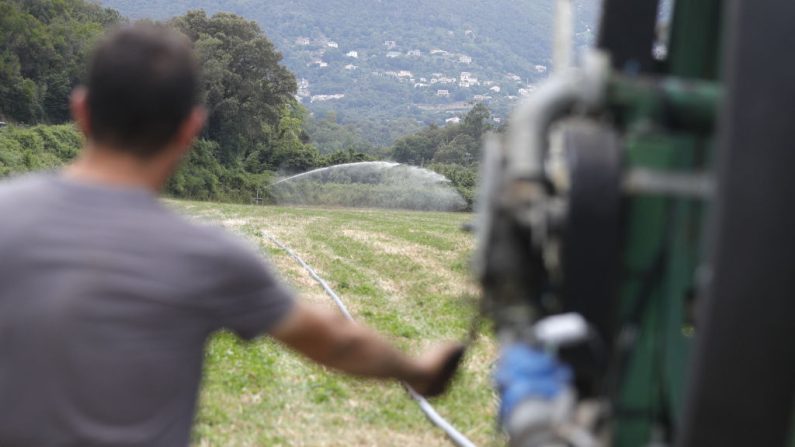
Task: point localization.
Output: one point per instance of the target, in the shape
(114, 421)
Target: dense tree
(329, 136)
(340, 157)
(414, 149)
(462, 150)
(476, 121)
(245, 87)
(44, 46)
(452, 150)
(455, 143)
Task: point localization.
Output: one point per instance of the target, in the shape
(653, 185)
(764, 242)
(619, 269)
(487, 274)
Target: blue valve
(524, 372)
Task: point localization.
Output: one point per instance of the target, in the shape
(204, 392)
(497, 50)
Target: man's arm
(334, 341)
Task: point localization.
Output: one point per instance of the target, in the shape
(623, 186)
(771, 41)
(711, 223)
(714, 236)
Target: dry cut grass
(406, 274)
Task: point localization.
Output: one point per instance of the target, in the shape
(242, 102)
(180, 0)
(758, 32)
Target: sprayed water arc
(370, 184)
(373, 164)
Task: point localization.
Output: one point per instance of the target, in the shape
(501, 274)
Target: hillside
(385, 67)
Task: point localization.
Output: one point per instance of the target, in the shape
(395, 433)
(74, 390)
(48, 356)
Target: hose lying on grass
(455, 436)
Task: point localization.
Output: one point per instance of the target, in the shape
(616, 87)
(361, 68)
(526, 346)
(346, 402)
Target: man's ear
(191, 127)
(78, 104)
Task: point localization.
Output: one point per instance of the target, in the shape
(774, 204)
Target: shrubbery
(42, 147)
(201, 176)
(463, 178)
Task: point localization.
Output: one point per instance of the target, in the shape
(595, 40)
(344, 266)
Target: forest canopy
(44, 48)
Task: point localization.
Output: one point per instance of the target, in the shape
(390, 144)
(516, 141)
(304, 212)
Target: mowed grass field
(404, 273)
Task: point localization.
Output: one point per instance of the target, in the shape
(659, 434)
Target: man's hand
(437, 367)
(333, 341)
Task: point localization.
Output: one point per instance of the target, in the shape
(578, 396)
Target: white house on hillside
(332, 44)
(467, 80)
(353, 54)
(443, 93)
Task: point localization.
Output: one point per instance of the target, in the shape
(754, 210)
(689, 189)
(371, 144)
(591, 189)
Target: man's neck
(108, 166)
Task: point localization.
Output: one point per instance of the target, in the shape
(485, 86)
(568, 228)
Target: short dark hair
(143, 81)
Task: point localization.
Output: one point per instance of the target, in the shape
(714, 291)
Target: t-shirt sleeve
(245, 295)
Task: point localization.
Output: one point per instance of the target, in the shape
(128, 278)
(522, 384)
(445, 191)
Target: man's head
(142, 94)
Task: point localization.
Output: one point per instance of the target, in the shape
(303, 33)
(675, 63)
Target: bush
(463, 178)
(203, 177)
(24, 149)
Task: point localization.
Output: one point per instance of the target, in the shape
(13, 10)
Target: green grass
(404, 273)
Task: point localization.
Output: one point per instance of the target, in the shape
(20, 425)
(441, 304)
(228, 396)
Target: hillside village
(387, 69)
(450, 91)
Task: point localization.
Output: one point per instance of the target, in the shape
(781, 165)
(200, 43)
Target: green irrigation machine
(636, 234)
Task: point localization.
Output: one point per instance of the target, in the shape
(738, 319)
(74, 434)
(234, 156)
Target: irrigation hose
(455, 436)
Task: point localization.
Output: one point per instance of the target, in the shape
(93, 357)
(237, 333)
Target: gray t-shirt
(106, 301)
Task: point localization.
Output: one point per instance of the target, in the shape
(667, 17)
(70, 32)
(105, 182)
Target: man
(107, 298)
